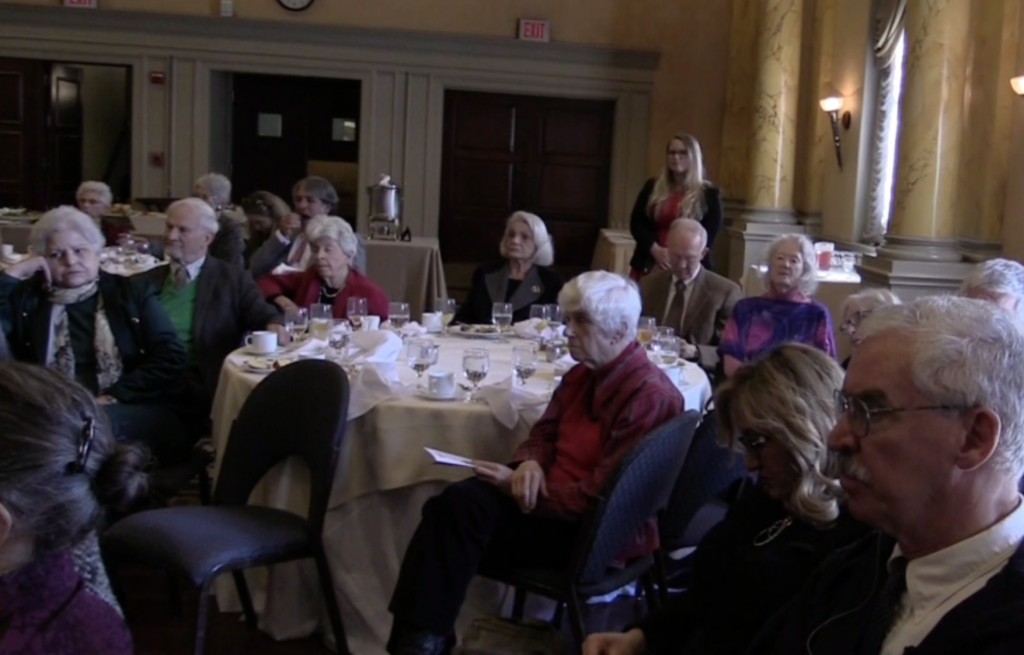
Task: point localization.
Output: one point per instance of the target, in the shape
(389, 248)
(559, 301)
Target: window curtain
(889, 16)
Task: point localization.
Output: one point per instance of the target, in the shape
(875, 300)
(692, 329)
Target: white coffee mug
(441, 383)
(371, 322)
(263, 342)
(432, 321)
(7, 252)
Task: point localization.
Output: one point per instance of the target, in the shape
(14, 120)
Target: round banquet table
(383, 479)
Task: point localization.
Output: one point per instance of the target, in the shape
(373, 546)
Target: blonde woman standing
(680, 191)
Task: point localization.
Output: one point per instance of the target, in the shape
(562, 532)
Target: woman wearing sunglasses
(778, 411)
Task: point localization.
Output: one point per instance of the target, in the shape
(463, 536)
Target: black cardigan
(738, 586)
(152, 356)
(644, 227)
(541, 286)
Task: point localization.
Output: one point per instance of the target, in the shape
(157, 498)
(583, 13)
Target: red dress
(304, 290)
(665, 214)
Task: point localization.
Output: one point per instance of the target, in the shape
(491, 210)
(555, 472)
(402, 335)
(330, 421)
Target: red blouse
(304, 290)
(666, 213)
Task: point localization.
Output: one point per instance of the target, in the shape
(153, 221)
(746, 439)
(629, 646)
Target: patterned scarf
(59, 354)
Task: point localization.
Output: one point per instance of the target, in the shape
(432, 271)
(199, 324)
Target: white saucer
(426, 395)
(247, 350)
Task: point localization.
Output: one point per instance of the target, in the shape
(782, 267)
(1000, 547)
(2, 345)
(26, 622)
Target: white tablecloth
(384, 478)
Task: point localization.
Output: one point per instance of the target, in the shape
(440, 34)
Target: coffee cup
(371, 322)
(263, 342)
(432, 321)
(7, 250)
(441, 384)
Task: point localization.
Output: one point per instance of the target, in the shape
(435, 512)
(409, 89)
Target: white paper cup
(263, 342)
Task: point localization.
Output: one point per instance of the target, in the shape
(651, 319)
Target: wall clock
(296, 5)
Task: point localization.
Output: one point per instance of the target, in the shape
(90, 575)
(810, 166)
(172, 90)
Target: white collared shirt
(191, 270)
(939, 582)
(687, 293)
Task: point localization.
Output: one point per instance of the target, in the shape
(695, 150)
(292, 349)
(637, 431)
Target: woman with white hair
(997, 280)
(785, 313)
(94, 199)
(330, 278)
(528, 514)
(107, 332)
(857, 307)
(523, 279)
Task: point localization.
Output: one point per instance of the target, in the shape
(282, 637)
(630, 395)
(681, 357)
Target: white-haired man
(527, 514)
(997, 280)
(931, 443)
(211, 303)
(687, 297)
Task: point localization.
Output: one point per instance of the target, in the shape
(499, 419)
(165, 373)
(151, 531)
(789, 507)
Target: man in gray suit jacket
(211, 303)
(688, 297)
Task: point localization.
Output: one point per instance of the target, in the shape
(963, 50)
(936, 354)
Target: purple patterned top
(759, 324)
(45, 610)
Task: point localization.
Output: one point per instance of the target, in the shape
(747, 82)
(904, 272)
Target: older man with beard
(930, 435)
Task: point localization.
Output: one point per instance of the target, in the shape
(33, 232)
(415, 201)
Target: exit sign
(534, 30)
(82, 4)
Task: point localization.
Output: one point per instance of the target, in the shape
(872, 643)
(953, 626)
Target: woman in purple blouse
(60, 469)
(785, 313)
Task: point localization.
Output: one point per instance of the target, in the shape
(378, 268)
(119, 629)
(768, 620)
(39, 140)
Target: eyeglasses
(858, 414)
(753, 441)
(678, 153)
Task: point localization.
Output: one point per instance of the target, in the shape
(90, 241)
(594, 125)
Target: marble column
(988, 110)
(931, 117)
(739, 98)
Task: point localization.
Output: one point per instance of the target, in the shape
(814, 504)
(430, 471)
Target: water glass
(524, 362)
(421, 354)
(476, 363)
(339, 338)
(296, 322)
(555, 314)
(501, 315)
(668, 349)
(543, 315)
(321, 318)
(398, 314)
(356, 309)
(447, 308)
(645, 330)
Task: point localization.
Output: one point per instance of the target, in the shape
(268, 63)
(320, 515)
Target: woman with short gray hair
(859, 306)
(785, 313)
(330, 279)
(522, 279)
(107, 332)
(228, 243)
(997, 280)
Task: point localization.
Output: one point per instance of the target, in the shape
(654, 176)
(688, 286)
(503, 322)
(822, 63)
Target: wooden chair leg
(579, 631)
(331, 600)
(518, 603)
(243, 595)
(204, 602)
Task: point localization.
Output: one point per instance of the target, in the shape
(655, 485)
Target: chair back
(637, 490)
(707, 472)
(300, 410)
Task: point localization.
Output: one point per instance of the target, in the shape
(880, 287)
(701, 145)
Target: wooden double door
(503, 153)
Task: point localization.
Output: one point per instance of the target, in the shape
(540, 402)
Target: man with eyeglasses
(930, 436)
(687, 297)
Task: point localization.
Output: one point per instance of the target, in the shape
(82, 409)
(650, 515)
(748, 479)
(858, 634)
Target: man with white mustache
(930, 434)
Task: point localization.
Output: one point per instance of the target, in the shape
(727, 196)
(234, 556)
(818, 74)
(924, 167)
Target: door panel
(22, 102)
(64, 154)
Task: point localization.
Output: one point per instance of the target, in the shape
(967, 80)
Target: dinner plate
(477, 332)
(426, 395)
(268, 364)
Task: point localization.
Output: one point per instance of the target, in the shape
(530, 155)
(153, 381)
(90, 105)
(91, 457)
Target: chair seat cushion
(199, 542)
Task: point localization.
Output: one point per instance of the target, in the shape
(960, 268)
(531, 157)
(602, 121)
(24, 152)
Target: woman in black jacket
(107, 332)
(779, 411)
(681, 191)
(523, 279)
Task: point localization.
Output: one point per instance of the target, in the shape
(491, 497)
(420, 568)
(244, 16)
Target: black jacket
(644, 227)
(738, 586)
(831, 614)
(228, 304)
(490, 285)
(5, 351)
(152, 356)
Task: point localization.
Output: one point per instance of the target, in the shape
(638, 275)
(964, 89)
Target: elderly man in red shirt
(527, 514)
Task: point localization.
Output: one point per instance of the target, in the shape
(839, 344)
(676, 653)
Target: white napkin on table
(509, 402)
(528, 330)
(374, 346)
(371, 385)
(282, 269)
(564, 364)
(410, 329)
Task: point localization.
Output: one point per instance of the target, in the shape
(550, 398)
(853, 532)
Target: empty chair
(200, 543)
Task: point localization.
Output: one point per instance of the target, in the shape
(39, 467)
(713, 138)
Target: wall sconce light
(831, 106)
(1018, 84)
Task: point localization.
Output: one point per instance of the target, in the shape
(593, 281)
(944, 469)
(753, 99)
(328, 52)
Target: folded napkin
(509, 402)
(564, 364)
(282, 269)
(375, 346)
(531, 329)
(410, 329)
(371, 385)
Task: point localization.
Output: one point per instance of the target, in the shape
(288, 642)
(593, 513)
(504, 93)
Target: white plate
(268, 364)
(426, 395)
(247, 350)
(475, 332)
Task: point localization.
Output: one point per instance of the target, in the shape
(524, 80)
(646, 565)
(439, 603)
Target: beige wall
(692, 35)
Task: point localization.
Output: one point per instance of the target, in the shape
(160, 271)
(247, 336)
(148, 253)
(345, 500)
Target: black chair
(637, 490)
(301, 411)
(693, 509)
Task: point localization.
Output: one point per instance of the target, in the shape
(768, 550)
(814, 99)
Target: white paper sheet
(441, 457)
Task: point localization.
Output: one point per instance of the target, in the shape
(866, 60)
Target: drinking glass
(339, 338)
(356, 310)
(476, 363)
(421, 354)
(668, 349)
(645, 330)
(398, 314)
(320, 320)
(543, 315)
(524, 361)
(501, 315)
(660, 332)
(555, 314)
(447, 308)
(296, 322)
